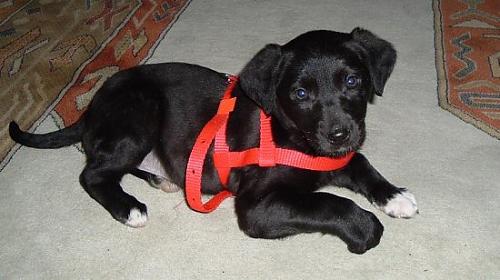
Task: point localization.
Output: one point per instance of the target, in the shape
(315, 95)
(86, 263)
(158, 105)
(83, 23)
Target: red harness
(266, 155)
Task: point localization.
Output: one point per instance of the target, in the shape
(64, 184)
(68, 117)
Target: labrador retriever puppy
(316, 89)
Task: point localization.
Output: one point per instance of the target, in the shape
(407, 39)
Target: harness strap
(196, 160)
(266, 155)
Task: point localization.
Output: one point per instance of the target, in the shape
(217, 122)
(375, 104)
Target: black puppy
(316, 88)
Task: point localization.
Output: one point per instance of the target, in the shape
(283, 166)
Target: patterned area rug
(54, 55)
(467, 36)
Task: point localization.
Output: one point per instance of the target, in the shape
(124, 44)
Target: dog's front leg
(284, 213)
(361, 177)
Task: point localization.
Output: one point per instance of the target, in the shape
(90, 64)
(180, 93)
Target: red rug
(54, 55)
(467, 37)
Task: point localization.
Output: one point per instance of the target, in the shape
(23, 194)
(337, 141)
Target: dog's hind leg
(103, 185)
(106, 165)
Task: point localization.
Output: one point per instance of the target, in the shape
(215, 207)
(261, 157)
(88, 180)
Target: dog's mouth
(324, 146)
(336, 152)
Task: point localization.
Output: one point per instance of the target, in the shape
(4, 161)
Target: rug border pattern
(442, 82)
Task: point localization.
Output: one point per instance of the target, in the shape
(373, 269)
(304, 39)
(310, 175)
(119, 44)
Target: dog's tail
(57, 139)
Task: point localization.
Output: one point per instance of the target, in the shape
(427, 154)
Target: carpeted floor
(51, 229)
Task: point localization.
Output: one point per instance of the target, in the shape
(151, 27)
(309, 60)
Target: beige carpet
(51, 229)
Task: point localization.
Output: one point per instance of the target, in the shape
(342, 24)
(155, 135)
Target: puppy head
(318, 86)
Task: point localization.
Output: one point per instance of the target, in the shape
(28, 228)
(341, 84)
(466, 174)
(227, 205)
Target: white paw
(136, 218)
(402, 205)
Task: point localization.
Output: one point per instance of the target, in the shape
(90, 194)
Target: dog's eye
(351, 81)
(301, 94)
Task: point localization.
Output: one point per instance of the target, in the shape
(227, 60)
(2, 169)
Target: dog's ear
(380, 55)
(258, 77)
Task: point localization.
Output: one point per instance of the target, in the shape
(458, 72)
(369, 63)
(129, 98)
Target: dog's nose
(338, 135)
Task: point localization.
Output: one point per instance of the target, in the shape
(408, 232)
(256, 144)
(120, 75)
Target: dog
(316, 87)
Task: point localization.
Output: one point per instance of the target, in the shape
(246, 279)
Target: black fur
(163, 107)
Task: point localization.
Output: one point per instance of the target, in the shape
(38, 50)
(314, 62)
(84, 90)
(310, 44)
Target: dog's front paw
(401, 205)
(365, 233)
(136, 218)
